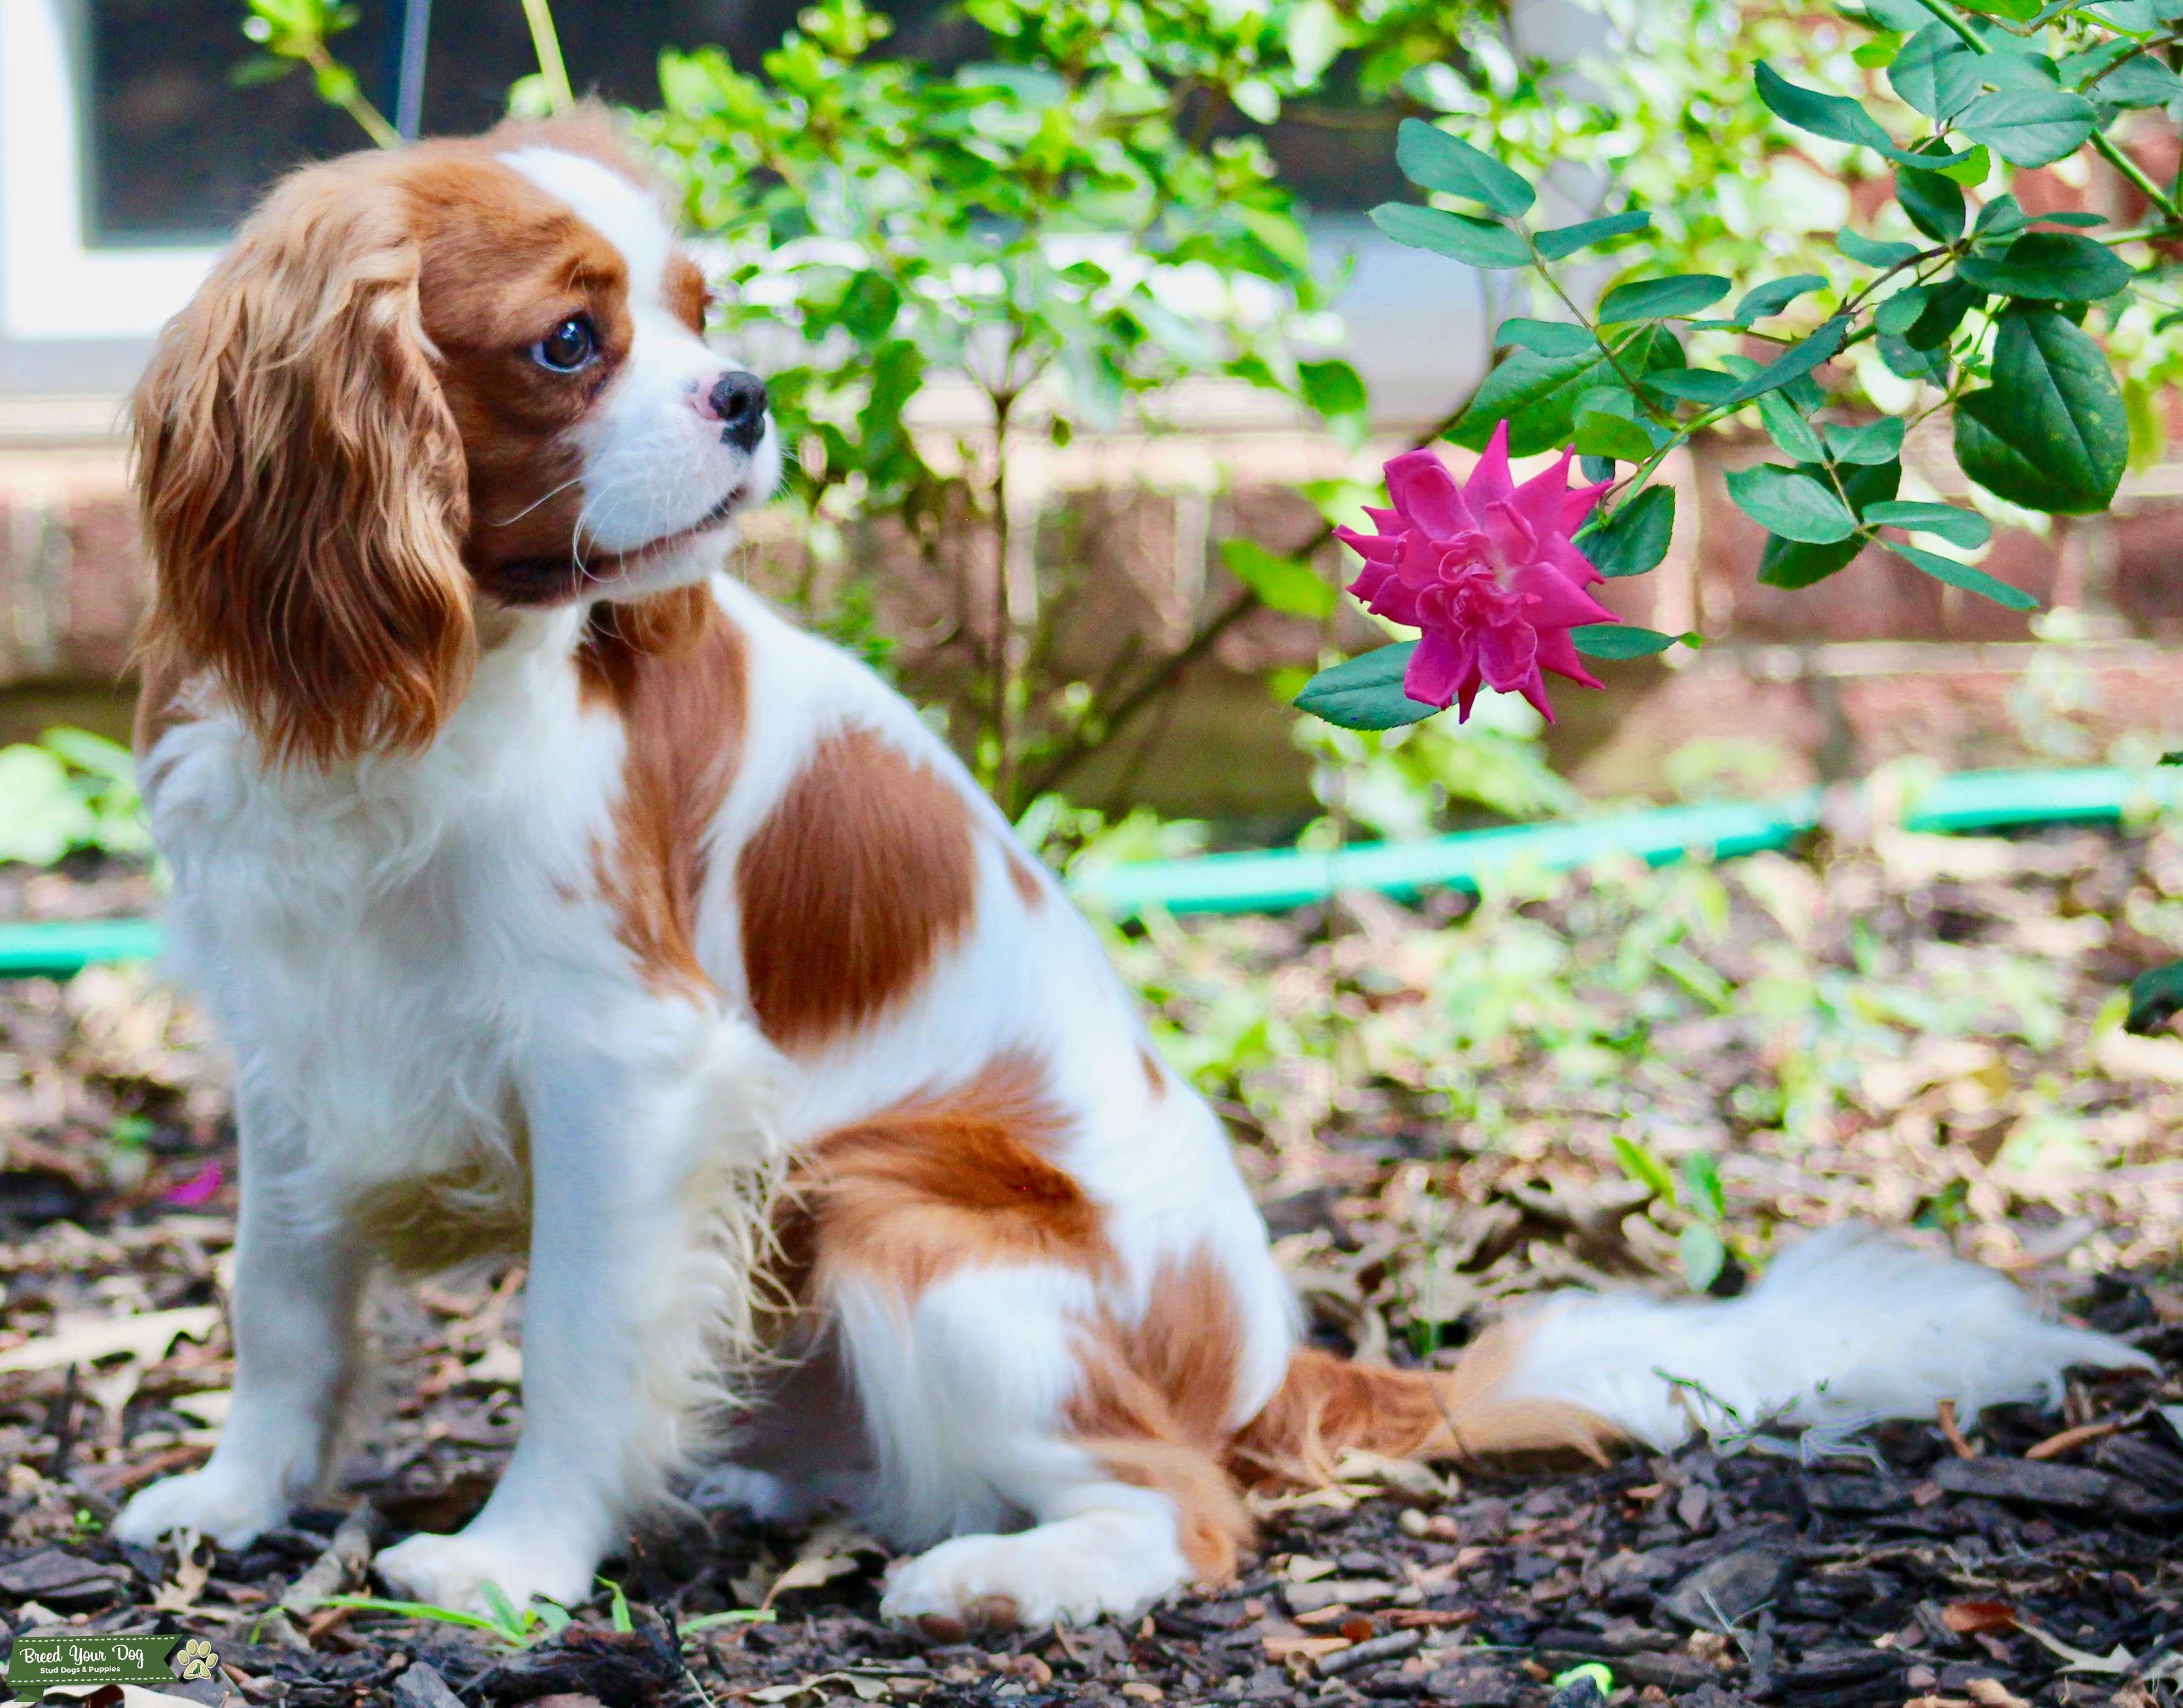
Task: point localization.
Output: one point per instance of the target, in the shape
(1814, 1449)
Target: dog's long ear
(302, 480)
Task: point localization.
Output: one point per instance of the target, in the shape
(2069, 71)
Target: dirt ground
(2017, 1558)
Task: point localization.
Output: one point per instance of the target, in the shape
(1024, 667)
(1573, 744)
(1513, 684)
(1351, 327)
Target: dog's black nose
(739, 400)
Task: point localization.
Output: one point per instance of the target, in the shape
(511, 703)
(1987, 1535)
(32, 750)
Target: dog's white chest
(379, 948)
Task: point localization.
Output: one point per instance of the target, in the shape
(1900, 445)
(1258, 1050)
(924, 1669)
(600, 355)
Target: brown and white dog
(558, 896)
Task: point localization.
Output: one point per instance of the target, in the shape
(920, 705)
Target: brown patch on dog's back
(673, 669)
(1024, 876)
(862, 873)
(1155, 1074)
(955, 1178)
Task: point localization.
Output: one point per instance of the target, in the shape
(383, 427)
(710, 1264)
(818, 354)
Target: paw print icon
(196, 1659)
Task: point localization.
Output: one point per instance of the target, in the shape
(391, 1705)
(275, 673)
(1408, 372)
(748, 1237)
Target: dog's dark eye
(567, 347)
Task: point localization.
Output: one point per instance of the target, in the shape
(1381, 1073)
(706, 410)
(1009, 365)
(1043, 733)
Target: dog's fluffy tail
(1846, 1328)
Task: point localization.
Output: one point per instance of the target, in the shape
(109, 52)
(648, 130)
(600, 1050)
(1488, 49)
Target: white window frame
(53, 286)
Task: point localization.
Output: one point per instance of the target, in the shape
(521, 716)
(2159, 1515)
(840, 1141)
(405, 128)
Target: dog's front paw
(1035, 1578)
(451, 1570)
(230, 1507)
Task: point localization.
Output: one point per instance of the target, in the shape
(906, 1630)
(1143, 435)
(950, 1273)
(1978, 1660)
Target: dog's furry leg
(650, 1171)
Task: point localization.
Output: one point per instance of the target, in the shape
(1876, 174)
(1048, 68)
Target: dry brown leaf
(145, 1337)
(1963, 1617)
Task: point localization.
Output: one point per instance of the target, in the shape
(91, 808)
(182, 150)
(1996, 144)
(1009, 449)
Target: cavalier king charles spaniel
(559, 897)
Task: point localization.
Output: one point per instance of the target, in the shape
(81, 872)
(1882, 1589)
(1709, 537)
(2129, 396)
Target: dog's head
(421, 390)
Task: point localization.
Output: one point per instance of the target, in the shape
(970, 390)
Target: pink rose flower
(1486, 570)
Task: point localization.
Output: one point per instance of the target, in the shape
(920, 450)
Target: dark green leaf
(1791, 564)
(1547, 337)
(1567, 240)
(1789, 430)
(2049, 267)
(1907, 362)
(1934, 202)
(1794, 505)
(1636, 538)
(1477, 243)
(1775, 295)
(1433, 160)
(1835, 116)
(2003, 215)
(2141, 81)
(1704, 386)
(2029, 127)
(1943, 313)
(1282, 584)
(1538, 395)
(1653, 299)
(2050, 433)
(1873, 251)
(1964, 575)
(2155, 998)
(1875, 442)
(1599, 434)
(1936, 71)
(1959, 527)
(1619, 641)
(1365, 692)
(1797, 361)
(1899, 312)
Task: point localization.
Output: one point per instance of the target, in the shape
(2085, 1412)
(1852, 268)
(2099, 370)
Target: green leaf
(1644, 1168)
(1959, 527)
(2049, 267)
(1933, 201)
(1538, 395)
(2029, 127)
(1898, 314)
(1875, 442)
(1433, 160)
(1365, 692)
(1703, 1256)
(1789, 430)
(1792, 564)
(1935, 72)
(1797, 361)
(1794, 505)
(1547, 337)
(1771, 297)
(1475, 243)
(1654, 299)
(1332, 388)
(2155, 998)
(1835, 116)
(1567, 240)
(1708, 387)
(1620, 641)
(1599, 434)
(1873, 251)
(1282, 584)
(1964, 575)
(1999, 217)
(2051, 432)
(2016, 11)
(1944, 311)
(1635, 538)
(2139, 80)
(1704, 1195)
